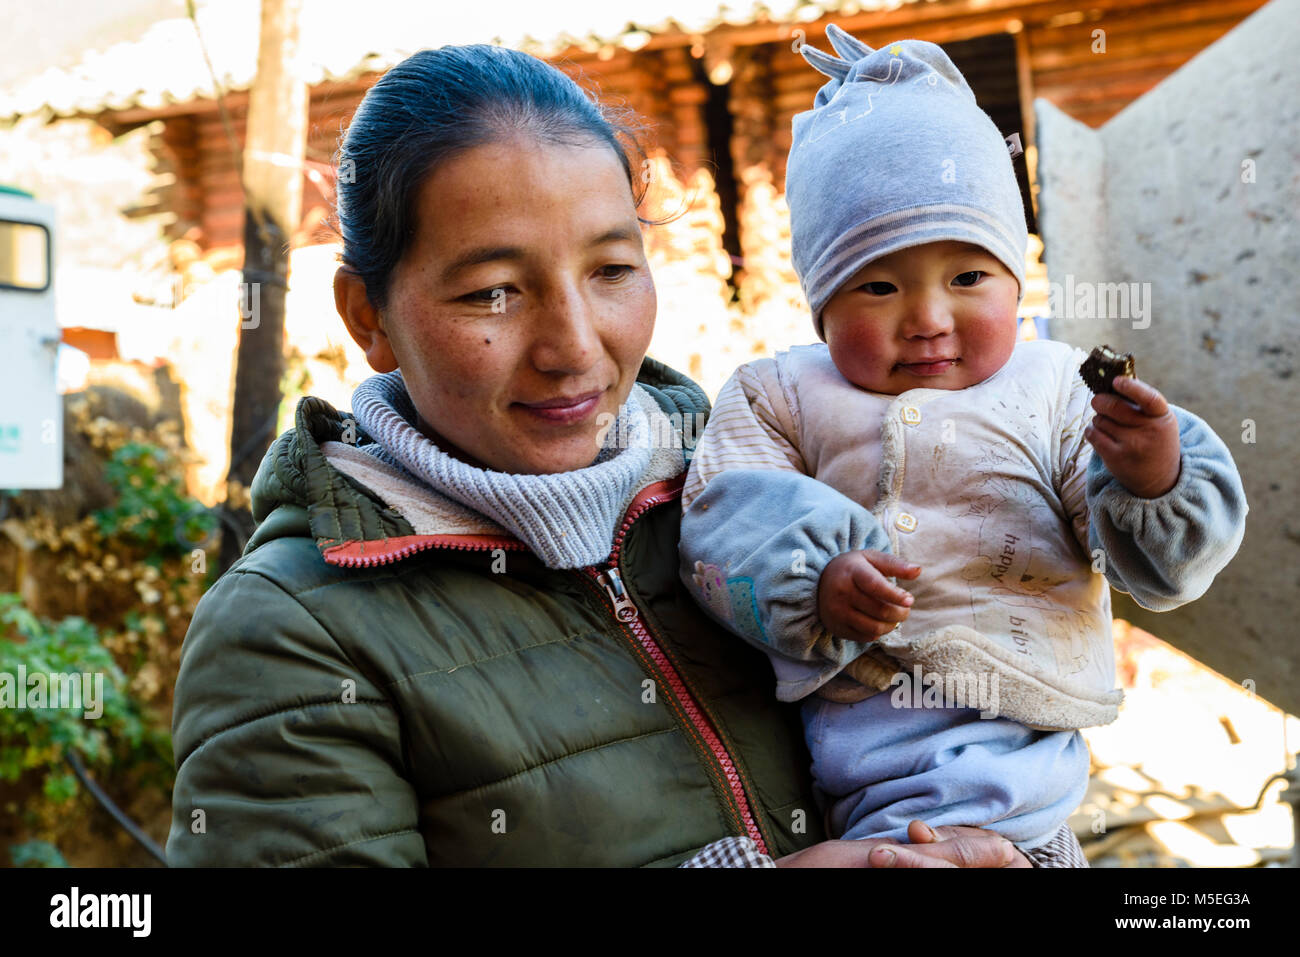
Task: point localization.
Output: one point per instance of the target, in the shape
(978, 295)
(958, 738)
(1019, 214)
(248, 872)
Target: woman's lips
(930, 368)
(564, 410)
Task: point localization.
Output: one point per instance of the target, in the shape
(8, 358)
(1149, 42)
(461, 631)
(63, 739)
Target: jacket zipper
(626, 612)
(354, 554)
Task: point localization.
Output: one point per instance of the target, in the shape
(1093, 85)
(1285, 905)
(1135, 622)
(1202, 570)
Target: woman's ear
(364, 321)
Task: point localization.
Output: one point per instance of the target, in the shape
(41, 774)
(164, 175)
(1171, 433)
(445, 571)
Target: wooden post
(274, 148)
(1025, 83)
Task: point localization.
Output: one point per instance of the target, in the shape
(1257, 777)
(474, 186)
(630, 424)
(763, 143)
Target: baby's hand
(1136, 439)
(855, 599)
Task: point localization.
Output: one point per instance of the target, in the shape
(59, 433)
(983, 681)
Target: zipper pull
(624, 607)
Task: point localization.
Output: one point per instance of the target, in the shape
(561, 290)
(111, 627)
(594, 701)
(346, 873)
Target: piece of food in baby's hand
(1101, 367)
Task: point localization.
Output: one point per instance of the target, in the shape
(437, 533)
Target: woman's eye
(489, 296)
(968, 278)
(879, 288)
(616, 271)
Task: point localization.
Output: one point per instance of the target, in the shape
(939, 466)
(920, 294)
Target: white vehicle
(31, 411)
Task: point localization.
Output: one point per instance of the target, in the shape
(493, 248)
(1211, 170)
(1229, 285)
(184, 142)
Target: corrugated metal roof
(341, 41)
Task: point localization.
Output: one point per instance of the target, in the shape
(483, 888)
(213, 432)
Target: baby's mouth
(933, 367)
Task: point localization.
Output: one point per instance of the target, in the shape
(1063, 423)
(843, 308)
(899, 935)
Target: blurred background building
(716, 84)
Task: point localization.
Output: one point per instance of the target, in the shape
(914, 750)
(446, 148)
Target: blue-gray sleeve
(754, 545)
(1166, 551)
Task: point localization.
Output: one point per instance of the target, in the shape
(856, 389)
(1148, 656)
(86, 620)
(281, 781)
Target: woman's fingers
(945, 846)
(897, 855)
(969, 847)
(839, 854)
(977, 849)
(985, 845)
(918, 832)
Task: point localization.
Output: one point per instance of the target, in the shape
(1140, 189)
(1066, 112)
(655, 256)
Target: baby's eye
(879, 288)
(968, 278)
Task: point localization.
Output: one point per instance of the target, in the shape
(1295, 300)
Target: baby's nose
(929, 317)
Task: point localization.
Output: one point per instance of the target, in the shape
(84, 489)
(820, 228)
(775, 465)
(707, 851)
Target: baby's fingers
(1101, 440)
(865, 628)
(884, 611)
(1146, 397)
(876, 590)
(891, 565)
(1119, 411)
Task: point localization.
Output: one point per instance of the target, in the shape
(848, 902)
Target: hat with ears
(895, 153)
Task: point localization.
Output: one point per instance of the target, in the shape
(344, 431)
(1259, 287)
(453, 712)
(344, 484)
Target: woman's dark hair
(433, 105)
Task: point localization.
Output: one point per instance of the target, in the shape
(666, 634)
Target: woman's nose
(566, 336)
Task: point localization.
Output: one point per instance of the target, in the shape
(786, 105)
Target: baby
(923, 442)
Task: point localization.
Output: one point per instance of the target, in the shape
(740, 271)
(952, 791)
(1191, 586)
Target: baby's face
(938, 316)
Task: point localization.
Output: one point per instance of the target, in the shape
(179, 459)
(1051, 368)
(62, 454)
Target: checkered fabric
(1063, 850)
(730, 852)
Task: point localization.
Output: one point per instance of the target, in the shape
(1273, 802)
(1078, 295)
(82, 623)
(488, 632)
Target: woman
(457, 636)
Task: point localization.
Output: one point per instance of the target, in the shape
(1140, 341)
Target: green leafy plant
(37, 738)
(152, 509)
(138, 568)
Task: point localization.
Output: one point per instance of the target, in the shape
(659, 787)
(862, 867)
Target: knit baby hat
(895, 153)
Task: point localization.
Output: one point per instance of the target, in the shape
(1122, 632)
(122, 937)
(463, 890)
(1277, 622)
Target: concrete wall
(1191, 193)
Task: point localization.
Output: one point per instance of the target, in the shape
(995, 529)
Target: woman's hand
(1136, 434)
(938, 847)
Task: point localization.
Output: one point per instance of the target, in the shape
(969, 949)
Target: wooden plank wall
(222, 212)
(1144, 42)
(657, 86)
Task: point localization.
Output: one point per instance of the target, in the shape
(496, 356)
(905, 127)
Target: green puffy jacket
(354, 693)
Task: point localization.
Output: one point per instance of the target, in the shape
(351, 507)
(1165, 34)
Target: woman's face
(521, 312)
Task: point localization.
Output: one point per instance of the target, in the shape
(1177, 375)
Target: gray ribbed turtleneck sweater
(568, 519)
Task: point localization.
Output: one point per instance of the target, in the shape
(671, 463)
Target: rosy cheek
(861, 349)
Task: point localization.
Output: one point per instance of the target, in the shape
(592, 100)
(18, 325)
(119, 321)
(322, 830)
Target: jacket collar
(361, 511)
